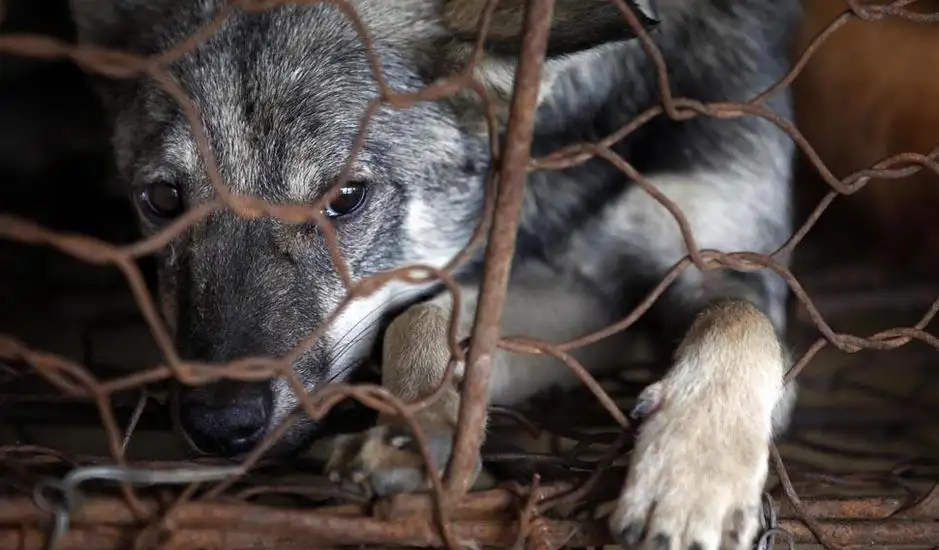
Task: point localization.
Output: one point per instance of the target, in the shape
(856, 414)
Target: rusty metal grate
(550, 498)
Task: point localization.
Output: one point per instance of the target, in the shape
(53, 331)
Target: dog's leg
(698, 469)
(700, 462)
(415, 355)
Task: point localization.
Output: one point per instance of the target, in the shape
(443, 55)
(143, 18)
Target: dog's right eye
(350, 198)
(162, 200)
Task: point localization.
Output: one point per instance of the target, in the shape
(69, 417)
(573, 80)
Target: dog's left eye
(350, 198)
(163, 200)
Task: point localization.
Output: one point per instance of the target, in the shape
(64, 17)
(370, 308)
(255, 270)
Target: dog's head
(281, 94)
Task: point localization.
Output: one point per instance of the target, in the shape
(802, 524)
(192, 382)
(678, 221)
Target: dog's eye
(162, 199)
(350, 198)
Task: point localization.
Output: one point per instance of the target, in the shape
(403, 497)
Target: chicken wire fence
(52, 499)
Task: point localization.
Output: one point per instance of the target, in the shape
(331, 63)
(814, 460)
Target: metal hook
(69, 497)
(769, 524)
(770, 535)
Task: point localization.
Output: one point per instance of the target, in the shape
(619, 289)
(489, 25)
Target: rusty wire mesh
(899, 507)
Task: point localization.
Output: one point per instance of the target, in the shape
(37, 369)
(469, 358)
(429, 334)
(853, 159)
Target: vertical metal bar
(501, 246)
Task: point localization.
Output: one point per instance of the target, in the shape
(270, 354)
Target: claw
(649, 401)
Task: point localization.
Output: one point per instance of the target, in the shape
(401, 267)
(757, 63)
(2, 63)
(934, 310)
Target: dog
(281, 94)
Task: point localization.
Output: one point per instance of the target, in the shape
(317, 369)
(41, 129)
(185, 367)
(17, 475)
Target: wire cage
(83, 442)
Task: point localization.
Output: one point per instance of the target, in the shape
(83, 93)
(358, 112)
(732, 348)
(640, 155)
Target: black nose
(230, 428)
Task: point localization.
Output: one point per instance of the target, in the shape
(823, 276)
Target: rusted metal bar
(246, 526)
(484, 505)
(489, 518)
(501, 246)
(236, 528)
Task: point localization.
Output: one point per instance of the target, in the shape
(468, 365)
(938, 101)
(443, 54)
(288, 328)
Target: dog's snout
(229, 428)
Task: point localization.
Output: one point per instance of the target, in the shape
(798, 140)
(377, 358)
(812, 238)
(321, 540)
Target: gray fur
(281, 94)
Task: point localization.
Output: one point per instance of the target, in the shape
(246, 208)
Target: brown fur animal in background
(869, 92)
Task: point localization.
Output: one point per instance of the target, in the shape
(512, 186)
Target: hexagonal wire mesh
(897, 505)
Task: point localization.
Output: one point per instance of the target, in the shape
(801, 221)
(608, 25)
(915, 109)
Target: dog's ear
(577, 27)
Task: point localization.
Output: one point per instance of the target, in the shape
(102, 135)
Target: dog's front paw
(387, 459)
(695, 478)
